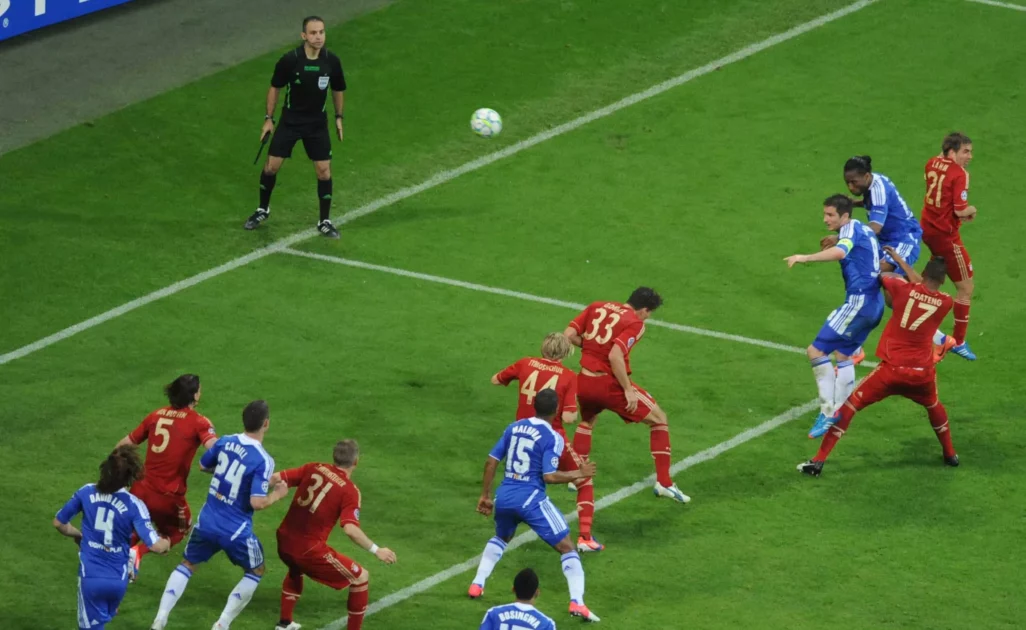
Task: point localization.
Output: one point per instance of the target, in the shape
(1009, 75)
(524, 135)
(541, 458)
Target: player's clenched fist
(484, 506)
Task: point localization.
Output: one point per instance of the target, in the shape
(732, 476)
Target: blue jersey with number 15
(242, 470)
(531, 449)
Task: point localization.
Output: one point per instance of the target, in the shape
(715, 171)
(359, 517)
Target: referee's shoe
(325, 227)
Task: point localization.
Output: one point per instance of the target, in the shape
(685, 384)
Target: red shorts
(956, 257)
(320, 562)
(917, 384)
(169, 513)
(596, 394)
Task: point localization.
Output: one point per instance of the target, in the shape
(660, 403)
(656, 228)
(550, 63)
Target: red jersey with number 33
(907, 340)
(602, 325)
(173, 435)
(535, 375)
(947, 190)
(325, 496)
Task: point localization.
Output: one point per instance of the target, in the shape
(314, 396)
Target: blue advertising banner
(21, 16)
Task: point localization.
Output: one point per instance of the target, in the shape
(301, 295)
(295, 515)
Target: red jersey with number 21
(907, 340)
(173, 435)
(947, 190)
(325, 496)
(535, 375)
(603, 324)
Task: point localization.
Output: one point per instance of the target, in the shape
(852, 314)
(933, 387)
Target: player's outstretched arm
(560, 477)
(827, 255)
(356, 535)
(278, 491)
(574, 336)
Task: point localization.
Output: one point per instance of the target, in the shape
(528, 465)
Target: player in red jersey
(548, 372)
(174, 433)
(945, 208)
(606, 332)
(906, 353)
(326, 495)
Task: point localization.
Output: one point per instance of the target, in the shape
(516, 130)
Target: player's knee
(964, 289)
(258, 571)
(564, 546)
(363, 578)
(656, 418)
(323, 171)
(813, 352)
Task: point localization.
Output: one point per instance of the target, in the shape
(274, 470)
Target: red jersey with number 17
(602, 325)
(325, 496)
(947, 190)
(174, 435)
(535, 375)
(907, 340)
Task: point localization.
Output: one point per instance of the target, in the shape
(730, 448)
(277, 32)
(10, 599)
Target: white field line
(606, 501)
(437, 180)
(1003, 5)
(541, 300)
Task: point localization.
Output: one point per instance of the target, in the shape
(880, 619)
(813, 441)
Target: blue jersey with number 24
(242, 469)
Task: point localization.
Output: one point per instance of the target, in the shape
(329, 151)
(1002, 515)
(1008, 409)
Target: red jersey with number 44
(907, 340)
(602, 325)
(325, 496)
(173, 435)
(947, 190)
(535, 375)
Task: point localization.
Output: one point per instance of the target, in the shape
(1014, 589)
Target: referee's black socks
(324, 196)
(266, 186)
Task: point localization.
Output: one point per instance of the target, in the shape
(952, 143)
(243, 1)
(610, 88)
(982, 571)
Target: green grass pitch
(700, 191)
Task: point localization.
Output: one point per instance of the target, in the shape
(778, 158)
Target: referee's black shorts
(314, 134)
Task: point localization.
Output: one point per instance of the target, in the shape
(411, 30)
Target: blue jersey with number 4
(242, 470)
(108, 521)
(860, 266)
(886, 207)
(516, 616)
(531, 449)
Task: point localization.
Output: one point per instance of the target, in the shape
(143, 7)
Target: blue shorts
(98, 601)
(539, 514)
(847, 327)
(908, 250)
(242, 548)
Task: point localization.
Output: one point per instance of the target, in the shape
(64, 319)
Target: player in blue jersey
(848, 325)
(531, 449)
(242, 472)
(109, 516)
(521, 614)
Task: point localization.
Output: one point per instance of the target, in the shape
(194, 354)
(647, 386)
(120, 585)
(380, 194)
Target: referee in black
(306, 73)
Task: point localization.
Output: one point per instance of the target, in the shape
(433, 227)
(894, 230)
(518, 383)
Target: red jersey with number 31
(947, 190)
(173, 435)
(535, 375)
(602, 325)
(907, 340)
(325, 496)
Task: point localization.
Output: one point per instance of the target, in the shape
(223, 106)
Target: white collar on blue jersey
(245, 439)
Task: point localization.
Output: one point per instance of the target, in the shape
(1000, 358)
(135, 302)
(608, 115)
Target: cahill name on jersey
(242, 469)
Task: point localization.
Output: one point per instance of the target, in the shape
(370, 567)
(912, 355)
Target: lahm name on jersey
(545, 367)
(925, 298)
(99, 497)
(520, 615)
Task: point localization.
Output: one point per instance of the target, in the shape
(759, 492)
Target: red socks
(939, 421)
(585, 507)
(357, 605)
(835, 433)
(582, 440)
(659, 443)
(291, 589)
(961, 321)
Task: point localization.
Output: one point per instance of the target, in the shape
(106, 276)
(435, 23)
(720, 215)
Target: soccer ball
(486, 122)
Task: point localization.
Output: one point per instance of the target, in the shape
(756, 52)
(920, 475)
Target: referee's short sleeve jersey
(306, 82)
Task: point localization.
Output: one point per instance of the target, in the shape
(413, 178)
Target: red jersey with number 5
(602, 325)
(907, 340)
(325, 496)
(947, 190)
(174, 435)
(535, 375)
